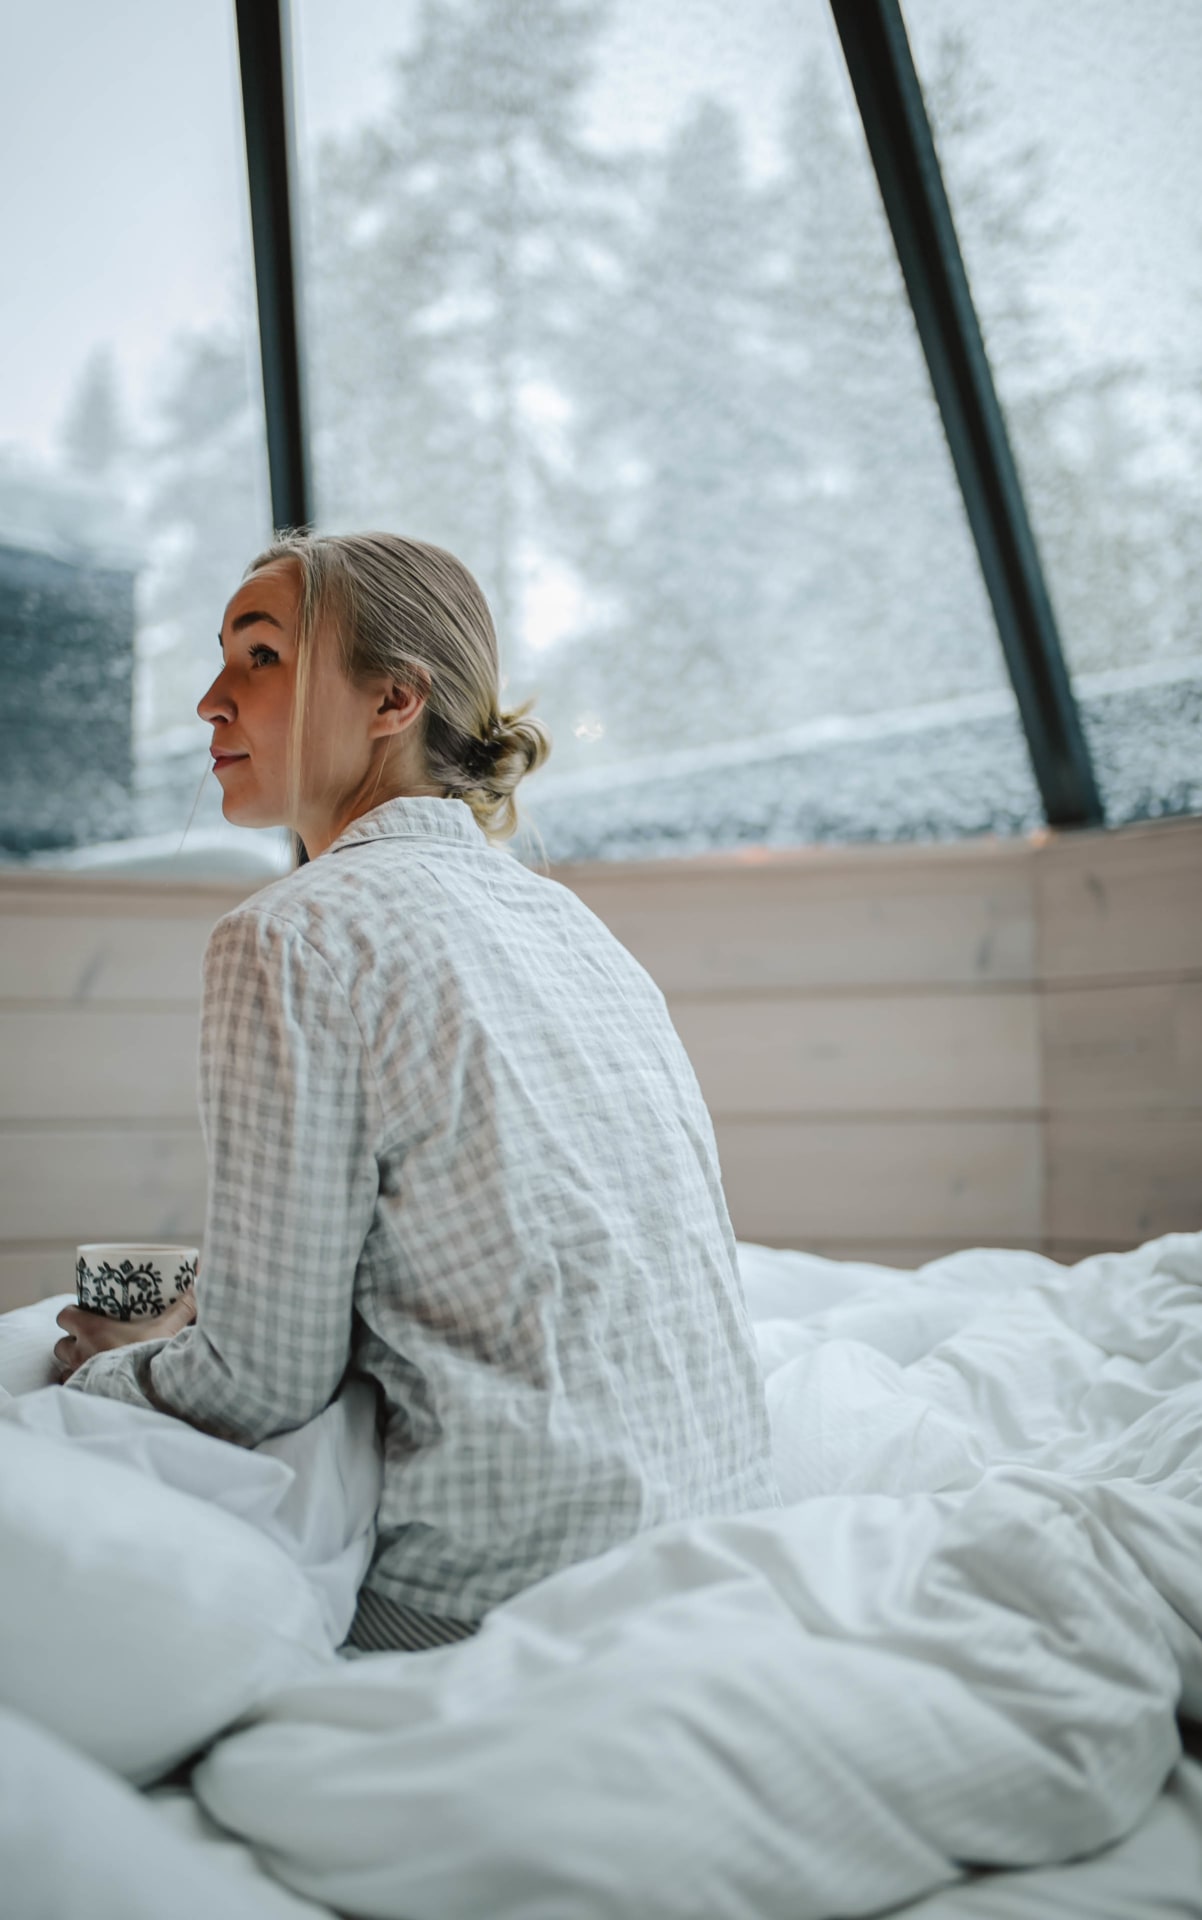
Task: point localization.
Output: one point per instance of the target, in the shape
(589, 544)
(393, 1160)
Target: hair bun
(482, 754)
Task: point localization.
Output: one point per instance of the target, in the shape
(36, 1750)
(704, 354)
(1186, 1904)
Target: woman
(454, 1141)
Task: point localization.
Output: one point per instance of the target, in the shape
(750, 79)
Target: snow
(949, 780)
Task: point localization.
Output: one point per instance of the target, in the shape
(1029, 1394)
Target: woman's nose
(210, 705)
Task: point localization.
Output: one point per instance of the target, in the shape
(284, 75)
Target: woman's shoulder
(335, 908)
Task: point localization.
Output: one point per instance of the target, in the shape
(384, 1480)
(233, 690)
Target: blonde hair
(413, 612)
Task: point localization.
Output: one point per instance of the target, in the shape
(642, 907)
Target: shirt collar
(414, 816)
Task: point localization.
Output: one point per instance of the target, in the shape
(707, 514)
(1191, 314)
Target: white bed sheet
(313, 1491)
(1153, 1873)
(965, 1639)
(965, 1642)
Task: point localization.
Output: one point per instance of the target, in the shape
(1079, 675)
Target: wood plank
(1123, 902)
(969, 1052)
(97, 1063)
(1123, 1049)
(810, 1182)
(77, 958)
(103, 1183)
(35, 1273)
(906, 1255)
(37, 890)
(1069, 1253)
(1121, 1179)
(826, 927)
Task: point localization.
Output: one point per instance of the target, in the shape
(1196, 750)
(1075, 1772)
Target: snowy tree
(206, 516)
(671, 422)
(884, 604)
(94, 434)
(451, 244)
(1107, 508)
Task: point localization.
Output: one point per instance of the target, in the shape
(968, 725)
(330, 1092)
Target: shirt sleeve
(288, 1112)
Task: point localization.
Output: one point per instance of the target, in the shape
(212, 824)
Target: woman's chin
(244, 813)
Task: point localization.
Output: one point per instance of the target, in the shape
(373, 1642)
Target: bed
(958, 1673)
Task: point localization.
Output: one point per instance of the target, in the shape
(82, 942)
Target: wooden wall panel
(82, 1063)
(823, 918)
(132, 959)
(102, 1183)
(1070, 1253)
(80, 939)
(809, 1182)
(1129, 1049)
(905, 1050)
(1120, 905)
(905, 1256)
(884, 1053)
(36, 1272)
(1117, 1180)
(1120, 919)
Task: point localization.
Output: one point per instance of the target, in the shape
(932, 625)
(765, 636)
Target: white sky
(124, 212)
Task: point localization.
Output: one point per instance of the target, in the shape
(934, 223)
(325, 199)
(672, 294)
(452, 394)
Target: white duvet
(963, 1643)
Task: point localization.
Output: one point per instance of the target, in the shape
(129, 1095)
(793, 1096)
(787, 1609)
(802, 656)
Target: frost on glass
(1096, 346)
(636, 347)
(132, 464)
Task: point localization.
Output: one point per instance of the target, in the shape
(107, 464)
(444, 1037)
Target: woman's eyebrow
(248, 620)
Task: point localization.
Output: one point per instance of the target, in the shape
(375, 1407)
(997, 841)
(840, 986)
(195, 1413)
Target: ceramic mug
(133, 1282)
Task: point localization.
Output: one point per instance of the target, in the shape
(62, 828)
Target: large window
(603, 298)
(132, 464)
(601, 295)
(1071, 148)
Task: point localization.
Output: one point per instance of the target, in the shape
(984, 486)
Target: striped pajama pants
(385, 1626)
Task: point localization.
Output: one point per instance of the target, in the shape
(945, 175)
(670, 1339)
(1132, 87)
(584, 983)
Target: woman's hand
(88, 1333)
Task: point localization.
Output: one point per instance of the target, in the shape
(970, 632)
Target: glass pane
(603, 299)
(132, 465)
(1072, 149)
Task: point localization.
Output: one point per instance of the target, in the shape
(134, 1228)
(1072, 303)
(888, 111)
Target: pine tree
(453, 243)
(207, 515)
(94, 434)
(1103, 500)
(882, 599)
(670, 423)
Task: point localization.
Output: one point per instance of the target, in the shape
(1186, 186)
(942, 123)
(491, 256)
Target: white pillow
(77, 1844)
(136, 1620)
(313, 1491)
(27, 1337)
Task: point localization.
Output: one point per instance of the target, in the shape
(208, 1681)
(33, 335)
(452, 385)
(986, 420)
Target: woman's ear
(403, 702)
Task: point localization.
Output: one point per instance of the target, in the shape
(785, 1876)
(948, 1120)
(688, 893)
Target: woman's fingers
(67, 1355)
(89, 1333)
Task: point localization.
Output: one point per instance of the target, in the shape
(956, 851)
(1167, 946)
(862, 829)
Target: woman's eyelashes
(258, 648)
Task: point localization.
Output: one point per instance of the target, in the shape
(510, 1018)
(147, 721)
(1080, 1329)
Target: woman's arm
(290, 1116)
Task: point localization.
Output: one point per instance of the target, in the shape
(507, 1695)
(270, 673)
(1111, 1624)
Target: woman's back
(548, 1295)
(454, 1143)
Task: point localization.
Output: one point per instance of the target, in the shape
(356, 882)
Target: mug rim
(134, 1246)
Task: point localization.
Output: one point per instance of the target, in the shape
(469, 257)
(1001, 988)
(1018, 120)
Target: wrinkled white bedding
(314, 1491)
(963, 1645)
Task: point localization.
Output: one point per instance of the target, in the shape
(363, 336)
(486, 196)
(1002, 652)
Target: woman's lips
(227, 760)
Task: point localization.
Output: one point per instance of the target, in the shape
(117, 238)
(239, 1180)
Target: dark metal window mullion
(902, 147)
(267, 118)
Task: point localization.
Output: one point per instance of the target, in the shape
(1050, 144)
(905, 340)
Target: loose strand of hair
(191, 817)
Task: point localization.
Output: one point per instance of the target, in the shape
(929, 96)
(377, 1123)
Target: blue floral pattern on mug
(128, 1291)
